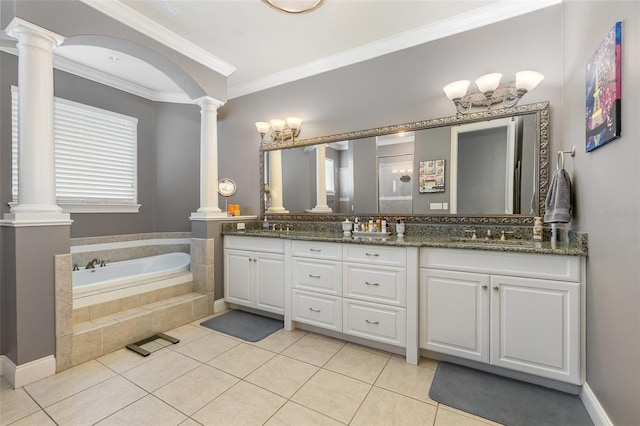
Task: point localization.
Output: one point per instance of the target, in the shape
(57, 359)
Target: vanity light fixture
(489, 90)
(294, 7)
(281, 130)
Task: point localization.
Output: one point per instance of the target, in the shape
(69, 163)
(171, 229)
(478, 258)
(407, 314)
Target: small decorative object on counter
(537, 229)
(346, 228)
(400, 227)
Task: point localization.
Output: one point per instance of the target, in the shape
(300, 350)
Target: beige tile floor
(289, 378)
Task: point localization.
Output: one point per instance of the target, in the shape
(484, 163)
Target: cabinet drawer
(317, 309)
(317, 250)
(376, 255)
(317, 275)
(384, 285)
(386, 324)
(547, 266)
(271, 245)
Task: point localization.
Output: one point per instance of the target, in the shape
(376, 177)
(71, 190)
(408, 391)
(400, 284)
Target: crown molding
(487, 15)
(134, 19)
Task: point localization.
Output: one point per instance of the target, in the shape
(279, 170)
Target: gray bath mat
(505, 400)
(244, 325)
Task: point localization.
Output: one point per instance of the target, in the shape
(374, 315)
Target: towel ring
(561, 157)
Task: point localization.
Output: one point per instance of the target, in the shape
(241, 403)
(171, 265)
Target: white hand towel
(558, 202)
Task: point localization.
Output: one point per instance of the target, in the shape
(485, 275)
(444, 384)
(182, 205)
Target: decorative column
(275, 182)
(208, 160)
(36, 229)
(321, 182)
(36, 170)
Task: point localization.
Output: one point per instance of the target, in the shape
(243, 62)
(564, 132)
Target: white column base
(322, 209)
(210, 215)
(277, 210)
(22, 375)
(35, 219)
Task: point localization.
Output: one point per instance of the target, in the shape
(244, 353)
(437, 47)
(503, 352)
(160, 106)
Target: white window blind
(95, 157)
(329, 177)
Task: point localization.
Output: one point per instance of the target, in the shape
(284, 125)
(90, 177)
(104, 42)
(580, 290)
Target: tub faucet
(92, 264)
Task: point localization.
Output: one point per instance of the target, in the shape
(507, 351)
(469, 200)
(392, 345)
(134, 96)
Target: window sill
(96, 208)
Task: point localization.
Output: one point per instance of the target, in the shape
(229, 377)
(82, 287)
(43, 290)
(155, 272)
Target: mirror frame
(540, 109)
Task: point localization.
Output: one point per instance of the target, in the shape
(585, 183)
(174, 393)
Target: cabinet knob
(314, 310)
(372, 322)
(484, 287)
(496, 288)
(255, 260)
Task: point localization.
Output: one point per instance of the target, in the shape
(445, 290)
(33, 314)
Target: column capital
(208, 103)
(27, 33)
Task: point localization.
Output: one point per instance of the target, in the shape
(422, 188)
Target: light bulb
(488, 82)
(528, 80)
(456, 89)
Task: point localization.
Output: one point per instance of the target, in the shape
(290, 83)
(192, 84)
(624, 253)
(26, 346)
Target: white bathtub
(128, 273)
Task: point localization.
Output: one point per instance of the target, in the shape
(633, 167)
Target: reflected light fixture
(489, 90)
(281, 130)
(294, 7)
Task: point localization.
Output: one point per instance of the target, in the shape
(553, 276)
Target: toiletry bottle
(384, 225)
(537, 229)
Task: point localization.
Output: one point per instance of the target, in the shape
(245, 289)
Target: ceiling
(259, 47)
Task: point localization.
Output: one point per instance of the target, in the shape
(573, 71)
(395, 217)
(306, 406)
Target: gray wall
(177, 166)
(606, 183)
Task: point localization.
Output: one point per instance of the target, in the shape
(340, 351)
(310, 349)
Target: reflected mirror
(480, 164)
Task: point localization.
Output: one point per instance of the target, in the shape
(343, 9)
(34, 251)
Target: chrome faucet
(92, 264)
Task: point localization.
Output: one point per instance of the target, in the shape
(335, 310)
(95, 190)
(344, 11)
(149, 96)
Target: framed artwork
(603, 95)
(431, 176)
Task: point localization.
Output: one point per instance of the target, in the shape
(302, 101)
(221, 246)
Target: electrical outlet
(445, 206)
(240, 226)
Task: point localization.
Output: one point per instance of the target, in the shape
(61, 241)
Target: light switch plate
(240, 226)
(435, 206)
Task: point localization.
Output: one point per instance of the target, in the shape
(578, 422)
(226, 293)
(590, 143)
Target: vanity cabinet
(316, 274)
(374, 293)
(254, 273)
(512, 310)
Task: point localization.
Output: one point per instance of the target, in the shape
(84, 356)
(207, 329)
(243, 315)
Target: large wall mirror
(488, 166)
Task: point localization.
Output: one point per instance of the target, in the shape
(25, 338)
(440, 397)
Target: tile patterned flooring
(289, 378)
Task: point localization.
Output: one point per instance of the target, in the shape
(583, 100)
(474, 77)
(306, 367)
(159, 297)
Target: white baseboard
(219, 306)
(24, 374)
(595, 410)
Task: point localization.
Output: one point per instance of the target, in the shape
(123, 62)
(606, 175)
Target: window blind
(328, 176)
(95, 154)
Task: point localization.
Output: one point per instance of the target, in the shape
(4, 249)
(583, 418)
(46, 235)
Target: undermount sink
(496, 242)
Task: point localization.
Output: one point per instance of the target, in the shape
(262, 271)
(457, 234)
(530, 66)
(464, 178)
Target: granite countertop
(441, 241)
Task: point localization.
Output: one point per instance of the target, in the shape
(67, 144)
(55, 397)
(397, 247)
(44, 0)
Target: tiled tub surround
(115, 248)
(90, 326)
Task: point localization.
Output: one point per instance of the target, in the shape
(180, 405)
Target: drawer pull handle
(372, 254)
(315, 250)
(372, 322)
(314, 276)
(314, 310)
(368, 283)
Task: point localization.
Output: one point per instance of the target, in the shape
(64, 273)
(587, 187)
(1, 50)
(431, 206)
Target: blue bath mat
(503, 400)
(244, 325)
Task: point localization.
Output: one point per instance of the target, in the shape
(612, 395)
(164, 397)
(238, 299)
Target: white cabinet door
(238, 277)
(535, 326)
(269, 282)
(454, 313)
